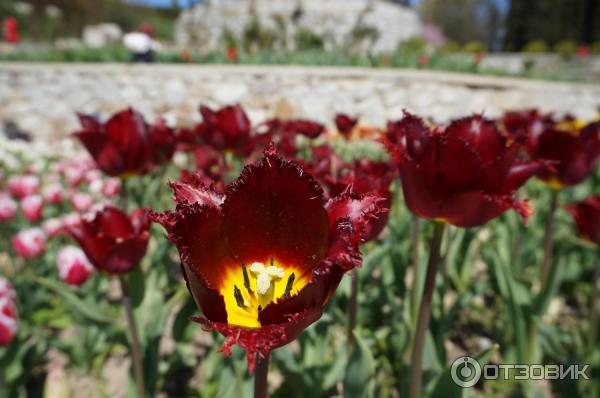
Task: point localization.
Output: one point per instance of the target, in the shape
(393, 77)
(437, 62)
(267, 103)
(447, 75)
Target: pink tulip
(23, 185)
(74, 176)
(71, 220)
(93, 175)
(74, 268)
(96, 187)
(53, 193)
(29, 243)
(52, 227)
(82, 201)
(8, 313)
(6, 289)
(112, 187)
(8, 207)
(32, 207)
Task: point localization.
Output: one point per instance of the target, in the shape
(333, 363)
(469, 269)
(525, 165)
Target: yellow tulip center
(249, 289)
(554, 183)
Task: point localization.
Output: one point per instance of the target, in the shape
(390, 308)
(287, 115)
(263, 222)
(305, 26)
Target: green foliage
(307, 40)
(361, 33)
(229, 38)
(450, 47)
(595, 48)
(474, 47)
(256, 37)
(414, 45)
(566, 48)
(487, 303)
(535, 46)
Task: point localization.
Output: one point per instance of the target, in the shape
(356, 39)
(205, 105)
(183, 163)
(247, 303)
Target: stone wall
(43, 98)
(333, 20)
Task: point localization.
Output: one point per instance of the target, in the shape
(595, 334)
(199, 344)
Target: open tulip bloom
(573, 147)
(262, 259)
(465, 174)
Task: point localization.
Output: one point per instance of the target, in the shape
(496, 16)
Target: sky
(158, 3)
(502, 4)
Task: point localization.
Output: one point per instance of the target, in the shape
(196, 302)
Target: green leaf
(359, 379)
(86, 309)
(446, 387)
(182, 326)
(136, 286)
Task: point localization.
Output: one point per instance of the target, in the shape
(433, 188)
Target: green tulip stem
(261, 385)
(353, 305)
(424, 315)
(416, 369)
(135, 340)
(593, 336)
(414, 242)
(548, 240)
(3, 389)
(123, 195)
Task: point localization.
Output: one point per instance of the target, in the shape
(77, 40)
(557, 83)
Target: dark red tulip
(113, 241)
(465, 174)
(345, 124)
(284, 133)
(365, 176)
(186, 139)
(162, 142)
(587, 217)
(126, 144)
(573, 147)
(210, 163)
(227, 129)
(323, 162)
(263, 259)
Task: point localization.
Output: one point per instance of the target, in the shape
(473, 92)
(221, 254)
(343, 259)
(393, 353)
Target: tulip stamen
(289, 285)
(239, 299)
(246, 279)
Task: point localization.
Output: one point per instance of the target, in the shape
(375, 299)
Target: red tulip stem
(594, 307)
(414, 241)
(548, 238)
(353, 305)
(416, 362)
(261, 384)
(135, 341)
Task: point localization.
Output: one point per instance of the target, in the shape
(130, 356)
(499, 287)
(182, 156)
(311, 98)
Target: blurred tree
(405, 3)
(75, 14)
(464, 21)
(552, 21)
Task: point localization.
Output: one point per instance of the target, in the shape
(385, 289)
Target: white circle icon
(465, 372)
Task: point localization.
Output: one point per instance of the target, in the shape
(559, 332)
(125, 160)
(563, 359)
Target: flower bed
(313, 252)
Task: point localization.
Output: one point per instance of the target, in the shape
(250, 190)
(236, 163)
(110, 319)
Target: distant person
(10, 30)
(141, 44)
